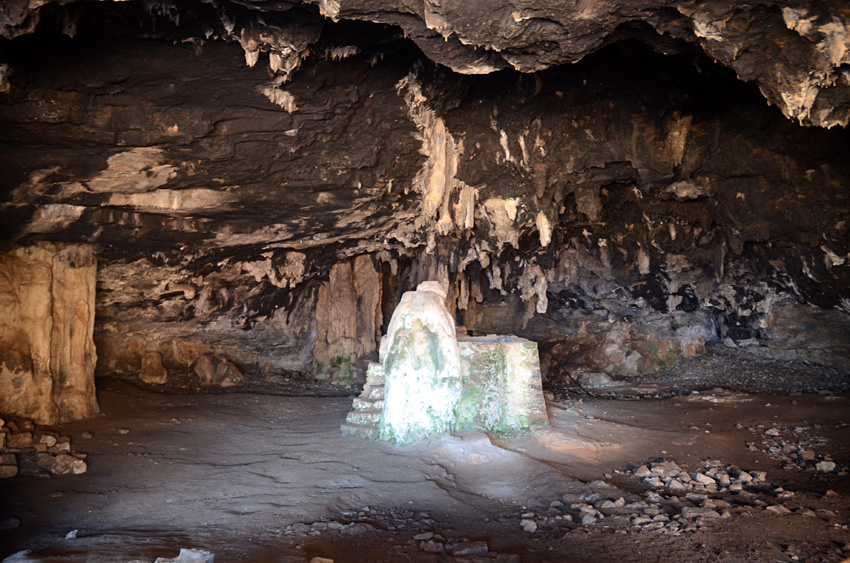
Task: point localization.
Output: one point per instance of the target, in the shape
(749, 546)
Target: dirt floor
(253, 477)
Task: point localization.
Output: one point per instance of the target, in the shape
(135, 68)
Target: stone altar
(430, 382)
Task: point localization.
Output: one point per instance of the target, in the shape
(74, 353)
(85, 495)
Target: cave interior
(209, 211)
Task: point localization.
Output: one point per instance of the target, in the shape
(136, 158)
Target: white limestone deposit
(422, 368)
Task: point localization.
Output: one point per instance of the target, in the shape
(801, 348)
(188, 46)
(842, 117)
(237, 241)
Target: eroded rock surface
(798, 55)
(625, 209)
(48, 354)
(422, 368)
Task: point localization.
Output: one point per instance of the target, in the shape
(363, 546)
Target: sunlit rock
(502, 390)
(422, 368)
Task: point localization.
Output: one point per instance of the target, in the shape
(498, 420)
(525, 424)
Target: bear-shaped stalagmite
(421, 368)
(431, 383)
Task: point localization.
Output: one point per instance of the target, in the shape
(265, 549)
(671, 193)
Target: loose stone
(528, 525)
(470, 548)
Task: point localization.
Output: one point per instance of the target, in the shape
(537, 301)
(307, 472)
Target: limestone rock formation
(152, 369)
(217, 371)
(502, 391)
(48, 354)
(422, 368)
(348, 318)
(433, 382)
(263, 181)
(796, 54)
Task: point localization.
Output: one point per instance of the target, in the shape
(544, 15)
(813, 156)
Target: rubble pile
(711, 478)
(795, 446)
(678, 501)
(32, 451)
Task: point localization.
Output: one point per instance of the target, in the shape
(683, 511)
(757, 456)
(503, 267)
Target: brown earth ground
(254, 477)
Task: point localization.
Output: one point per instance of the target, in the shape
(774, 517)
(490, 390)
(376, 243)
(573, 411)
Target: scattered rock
(528, 525)
(64, 464)
(431, 546)
(778, 509)
(189, 556)
(470, 548)
(796, 446)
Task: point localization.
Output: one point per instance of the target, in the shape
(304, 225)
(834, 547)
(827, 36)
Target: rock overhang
(797, 55)
(639, 184)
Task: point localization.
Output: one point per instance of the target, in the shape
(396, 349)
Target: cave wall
(47, 353)
(627, 208)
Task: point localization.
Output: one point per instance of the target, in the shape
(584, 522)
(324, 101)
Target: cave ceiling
(795, 52)
(612, 160)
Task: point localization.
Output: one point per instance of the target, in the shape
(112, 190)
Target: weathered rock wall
(48, 354)
(624, 209)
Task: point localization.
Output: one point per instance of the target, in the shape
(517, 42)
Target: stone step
(366, 403)
(368, 431)
(375, 372)
(375, 381)
(370, 416)
(375, 392)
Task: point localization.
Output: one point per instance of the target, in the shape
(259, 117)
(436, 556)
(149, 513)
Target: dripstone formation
(261, 182)
(432, 381)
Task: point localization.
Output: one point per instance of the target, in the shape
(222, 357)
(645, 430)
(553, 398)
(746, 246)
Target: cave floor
(255, 477)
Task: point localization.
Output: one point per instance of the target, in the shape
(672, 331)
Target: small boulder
(153, 371)
(431, 546)
(704, 479)
(596, 380)
(189, 556)
(7, 471)
(468, 548)
(217, 371)
(642, 471)
(528, 525)
(65, 464)
(825, 466)
(48, 440)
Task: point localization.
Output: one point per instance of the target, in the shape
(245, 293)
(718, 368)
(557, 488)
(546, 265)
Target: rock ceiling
(798, 53)
(245, 169)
